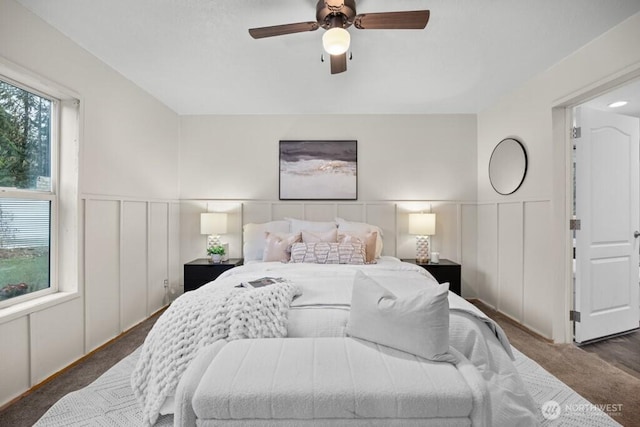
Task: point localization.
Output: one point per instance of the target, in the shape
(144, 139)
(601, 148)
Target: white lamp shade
(213, 223)
(336, 41)
(422, 224)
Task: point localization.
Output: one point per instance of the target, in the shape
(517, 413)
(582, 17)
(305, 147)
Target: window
(28, 200)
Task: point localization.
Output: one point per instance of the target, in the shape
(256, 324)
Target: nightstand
(202, 270)
(444, 271)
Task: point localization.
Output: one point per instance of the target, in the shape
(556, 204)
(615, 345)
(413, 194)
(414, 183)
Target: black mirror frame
(524, 172)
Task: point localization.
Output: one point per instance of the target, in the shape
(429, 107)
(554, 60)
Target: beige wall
(406, 157)
(524, 245)
(421, 157)
(128, 154)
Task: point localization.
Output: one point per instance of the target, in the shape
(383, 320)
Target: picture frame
(318, 170)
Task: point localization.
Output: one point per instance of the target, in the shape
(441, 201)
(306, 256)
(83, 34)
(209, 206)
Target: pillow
(416, 324)
(362, 228)
(367, 240)
(253, 238)
(320, 236)
(297, 225)
(278, 246)
(328, 253)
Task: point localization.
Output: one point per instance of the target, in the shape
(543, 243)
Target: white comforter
(323, 310)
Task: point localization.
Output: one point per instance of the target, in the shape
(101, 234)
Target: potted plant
(216, 253)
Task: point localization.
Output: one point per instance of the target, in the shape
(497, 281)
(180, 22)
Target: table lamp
(214, 224)
(423, 225)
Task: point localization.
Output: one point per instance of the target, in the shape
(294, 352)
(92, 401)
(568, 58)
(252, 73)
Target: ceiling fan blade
(280, 30)
(339, 63)
(411, 20)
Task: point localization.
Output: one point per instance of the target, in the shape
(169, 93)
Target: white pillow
(297, 225)
(320, 236)
(416, 324)
(361, 228)
(254, 237)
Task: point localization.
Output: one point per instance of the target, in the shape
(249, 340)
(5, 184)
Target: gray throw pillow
(416, 324)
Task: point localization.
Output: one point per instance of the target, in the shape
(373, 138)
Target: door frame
(612, 318)
(562, 121)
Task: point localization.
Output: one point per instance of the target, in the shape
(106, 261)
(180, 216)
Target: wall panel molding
(127, 260)
(390, 215)
(512, 272)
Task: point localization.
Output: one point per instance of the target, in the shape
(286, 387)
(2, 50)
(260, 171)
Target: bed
(194, 350)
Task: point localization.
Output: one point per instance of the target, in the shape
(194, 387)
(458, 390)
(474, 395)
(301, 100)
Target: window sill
(8, 314)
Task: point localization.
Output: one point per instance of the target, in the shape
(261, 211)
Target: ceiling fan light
(336, 41)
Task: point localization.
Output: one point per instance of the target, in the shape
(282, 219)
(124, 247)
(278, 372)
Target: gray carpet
(110, 401)
(27, 410)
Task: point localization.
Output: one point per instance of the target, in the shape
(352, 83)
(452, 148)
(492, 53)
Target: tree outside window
(26, 191)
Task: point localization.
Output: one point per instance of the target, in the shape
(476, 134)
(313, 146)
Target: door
(607, 205)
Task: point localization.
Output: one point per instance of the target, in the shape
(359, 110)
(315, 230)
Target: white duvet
(323, 310)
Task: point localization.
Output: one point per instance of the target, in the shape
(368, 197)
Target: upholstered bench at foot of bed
(335, 381)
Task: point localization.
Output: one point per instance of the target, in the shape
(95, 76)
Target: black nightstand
(202, 270)
(444, 271)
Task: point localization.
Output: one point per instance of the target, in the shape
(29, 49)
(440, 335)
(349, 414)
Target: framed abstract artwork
(318, 170)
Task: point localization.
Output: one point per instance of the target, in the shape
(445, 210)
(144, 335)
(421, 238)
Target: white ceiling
(197, 57)
(629, 92)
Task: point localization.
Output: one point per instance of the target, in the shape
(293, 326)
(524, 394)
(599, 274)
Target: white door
(607, 205)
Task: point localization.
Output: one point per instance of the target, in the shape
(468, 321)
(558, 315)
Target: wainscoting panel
(133, 278)
(384, 216)
(351, 212)
(113, 294)
(14, 354)
(175, 266)
(158, 255)
(192, 243)
(488, 254)
(446, 240)
(285, 209)
(537, 280)
(469, 247)
(255, 212)
(320, 212)
(57, 338)
(102, 271)
(391, 216)
(513, 260)
(510, 261)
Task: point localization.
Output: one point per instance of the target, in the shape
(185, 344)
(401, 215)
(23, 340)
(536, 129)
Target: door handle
(636, 234)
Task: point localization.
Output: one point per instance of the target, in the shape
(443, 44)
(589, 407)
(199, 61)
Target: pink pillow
(320, 236)
(278, 246)
(368, 240)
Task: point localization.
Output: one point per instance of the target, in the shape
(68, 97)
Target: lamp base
(422, 249)
(213, 240)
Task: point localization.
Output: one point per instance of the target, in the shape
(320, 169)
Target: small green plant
(216, 250)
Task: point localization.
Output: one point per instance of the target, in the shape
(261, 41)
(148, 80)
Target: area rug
(109, 401)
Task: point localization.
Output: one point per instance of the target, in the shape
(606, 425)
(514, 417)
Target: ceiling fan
(336, 16)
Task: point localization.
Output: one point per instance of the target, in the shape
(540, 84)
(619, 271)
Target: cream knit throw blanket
(200, 318)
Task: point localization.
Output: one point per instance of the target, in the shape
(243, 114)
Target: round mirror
(508, 166)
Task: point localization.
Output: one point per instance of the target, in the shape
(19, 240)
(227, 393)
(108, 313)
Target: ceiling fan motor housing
(335, 13)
